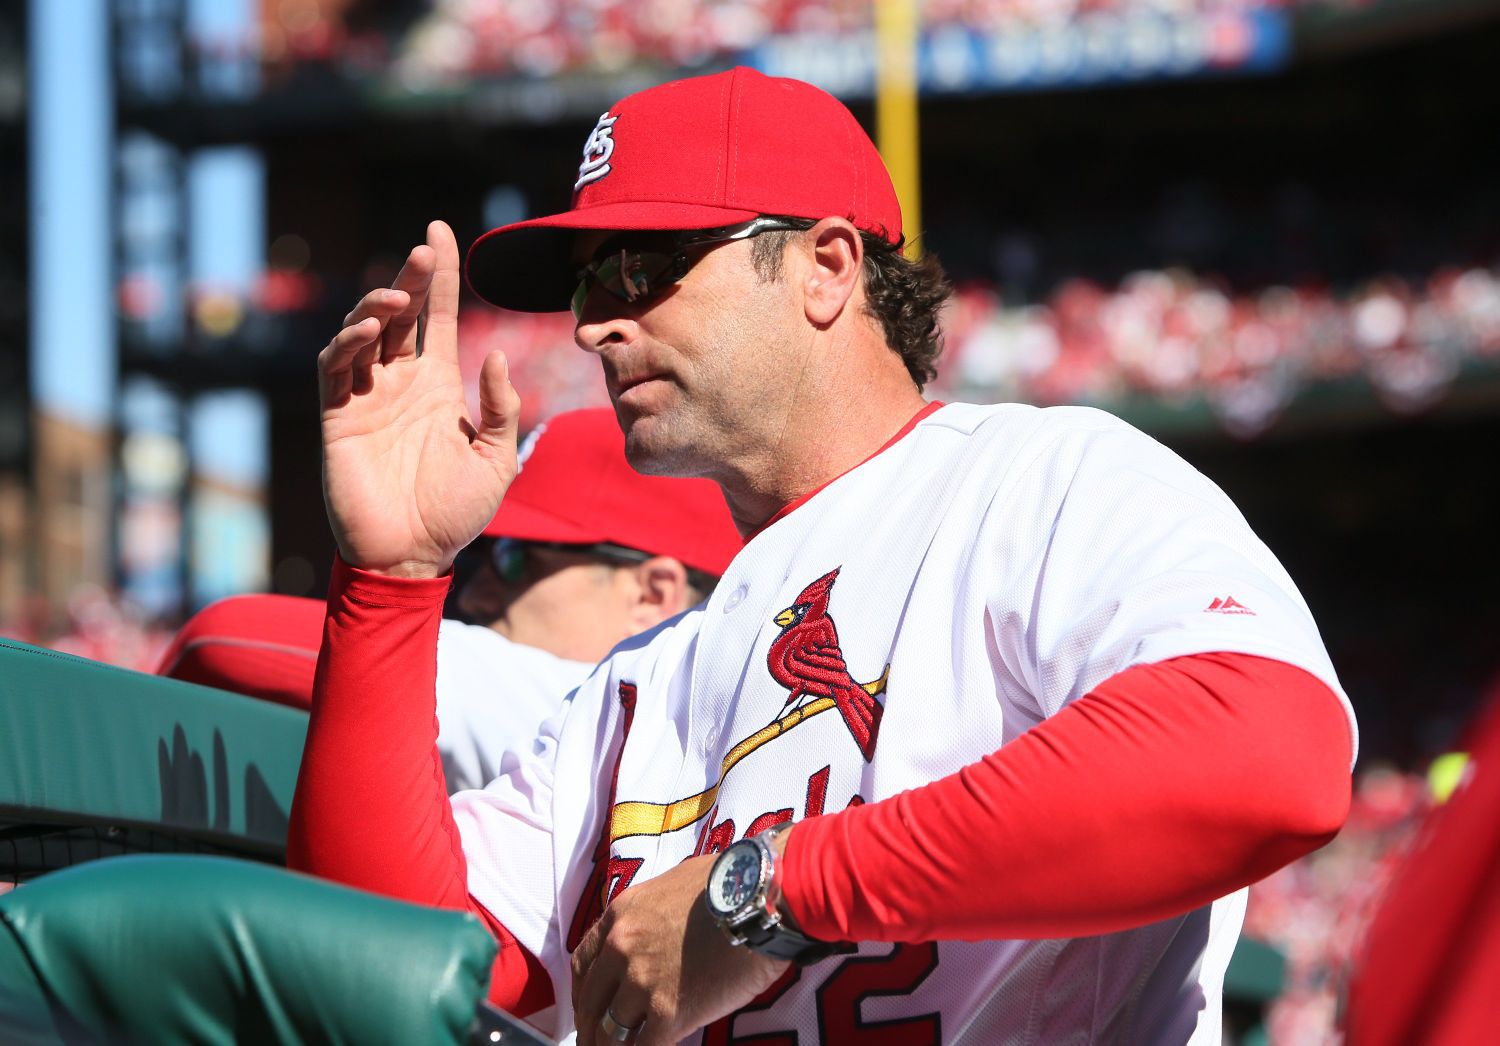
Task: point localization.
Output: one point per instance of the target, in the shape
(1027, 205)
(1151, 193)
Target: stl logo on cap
(597, 151)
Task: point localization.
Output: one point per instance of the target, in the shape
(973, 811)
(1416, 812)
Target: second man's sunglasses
(508, 555)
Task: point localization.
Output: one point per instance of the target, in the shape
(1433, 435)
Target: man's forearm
(371, 808)
(1169, 786)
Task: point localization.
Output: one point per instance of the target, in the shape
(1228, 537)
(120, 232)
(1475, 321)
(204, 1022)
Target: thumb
(499, 407)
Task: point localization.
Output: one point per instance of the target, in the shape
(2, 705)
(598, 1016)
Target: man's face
(570, 604)
(705, 372)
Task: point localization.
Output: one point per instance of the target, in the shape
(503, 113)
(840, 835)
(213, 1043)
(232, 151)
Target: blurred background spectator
(1315, 910)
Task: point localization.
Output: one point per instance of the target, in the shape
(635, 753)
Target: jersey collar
(792, 506)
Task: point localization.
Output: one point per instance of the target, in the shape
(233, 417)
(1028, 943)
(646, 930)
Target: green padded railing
(136, 760)
(179, 949)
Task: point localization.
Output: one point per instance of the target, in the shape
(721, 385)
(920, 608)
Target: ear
(837, 259)
(660, 592)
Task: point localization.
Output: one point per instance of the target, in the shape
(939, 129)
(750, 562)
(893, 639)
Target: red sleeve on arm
(1168, 786)
(371, 807)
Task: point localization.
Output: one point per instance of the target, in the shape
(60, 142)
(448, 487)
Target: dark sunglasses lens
(509, 560)
(632, 275)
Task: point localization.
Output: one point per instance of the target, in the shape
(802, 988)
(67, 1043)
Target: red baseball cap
(261, 645)
(575, 486)
(700, 153)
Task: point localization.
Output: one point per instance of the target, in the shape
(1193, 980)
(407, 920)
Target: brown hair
(902, 295)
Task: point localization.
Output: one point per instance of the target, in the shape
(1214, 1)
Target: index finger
(415, 278)
(382, 303)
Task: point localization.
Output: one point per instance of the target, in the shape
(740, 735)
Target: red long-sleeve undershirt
(1169, 785)
(371, 806)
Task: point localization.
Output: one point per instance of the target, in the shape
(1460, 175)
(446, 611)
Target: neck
(815, 447)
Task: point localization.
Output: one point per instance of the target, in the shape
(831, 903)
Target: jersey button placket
(736, 597)
(713, 730)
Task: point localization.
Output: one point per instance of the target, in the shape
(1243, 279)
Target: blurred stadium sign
(1092, 49)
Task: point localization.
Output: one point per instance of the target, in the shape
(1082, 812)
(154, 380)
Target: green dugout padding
(135, 759)
(179, 949)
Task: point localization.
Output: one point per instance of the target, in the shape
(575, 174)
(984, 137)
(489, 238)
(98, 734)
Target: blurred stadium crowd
(1174, 334)
(460, 39)
(96, 624)
(1315, 910)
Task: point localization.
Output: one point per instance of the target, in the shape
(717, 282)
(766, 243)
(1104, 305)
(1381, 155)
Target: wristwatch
(741, 886)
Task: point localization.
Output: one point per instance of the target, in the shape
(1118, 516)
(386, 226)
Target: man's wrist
(377, 589)
(776, 898)
(406, 569)
(411, 570)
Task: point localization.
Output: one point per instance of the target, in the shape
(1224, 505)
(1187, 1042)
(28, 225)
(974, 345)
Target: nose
(603, 326)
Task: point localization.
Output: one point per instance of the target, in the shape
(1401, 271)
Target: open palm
(409, 478)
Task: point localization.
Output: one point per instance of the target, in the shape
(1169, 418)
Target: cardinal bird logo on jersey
(806, 659)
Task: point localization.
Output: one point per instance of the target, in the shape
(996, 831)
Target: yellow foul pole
(896, 109)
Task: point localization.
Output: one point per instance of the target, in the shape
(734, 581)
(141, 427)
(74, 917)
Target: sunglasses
(508, 555)
(637, 269)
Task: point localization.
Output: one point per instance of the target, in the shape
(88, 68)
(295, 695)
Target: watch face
(735, 878)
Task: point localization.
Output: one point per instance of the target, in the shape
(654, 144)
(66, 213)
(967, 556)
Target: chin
(654, 447)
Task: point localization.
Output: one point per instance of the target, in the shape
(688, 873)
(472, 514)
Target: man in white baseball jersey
(978, 739)
(584, 553)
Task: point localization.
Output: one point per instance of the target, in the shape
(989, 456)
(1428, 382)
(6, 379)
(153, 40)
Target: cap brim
(529, 266)
(525, 522)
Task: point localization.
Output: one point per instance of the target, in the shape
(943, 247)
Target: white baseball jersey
(492, 696)
(986, 569)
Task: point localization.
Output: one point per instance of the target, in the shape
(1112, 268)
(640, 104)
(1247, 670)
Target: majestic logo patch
(806, 659)
(1227, 605)
(597, 151)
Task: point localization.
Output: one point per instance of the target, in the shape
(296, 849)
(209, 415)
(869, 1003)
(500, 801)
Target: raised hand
(408, 477)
